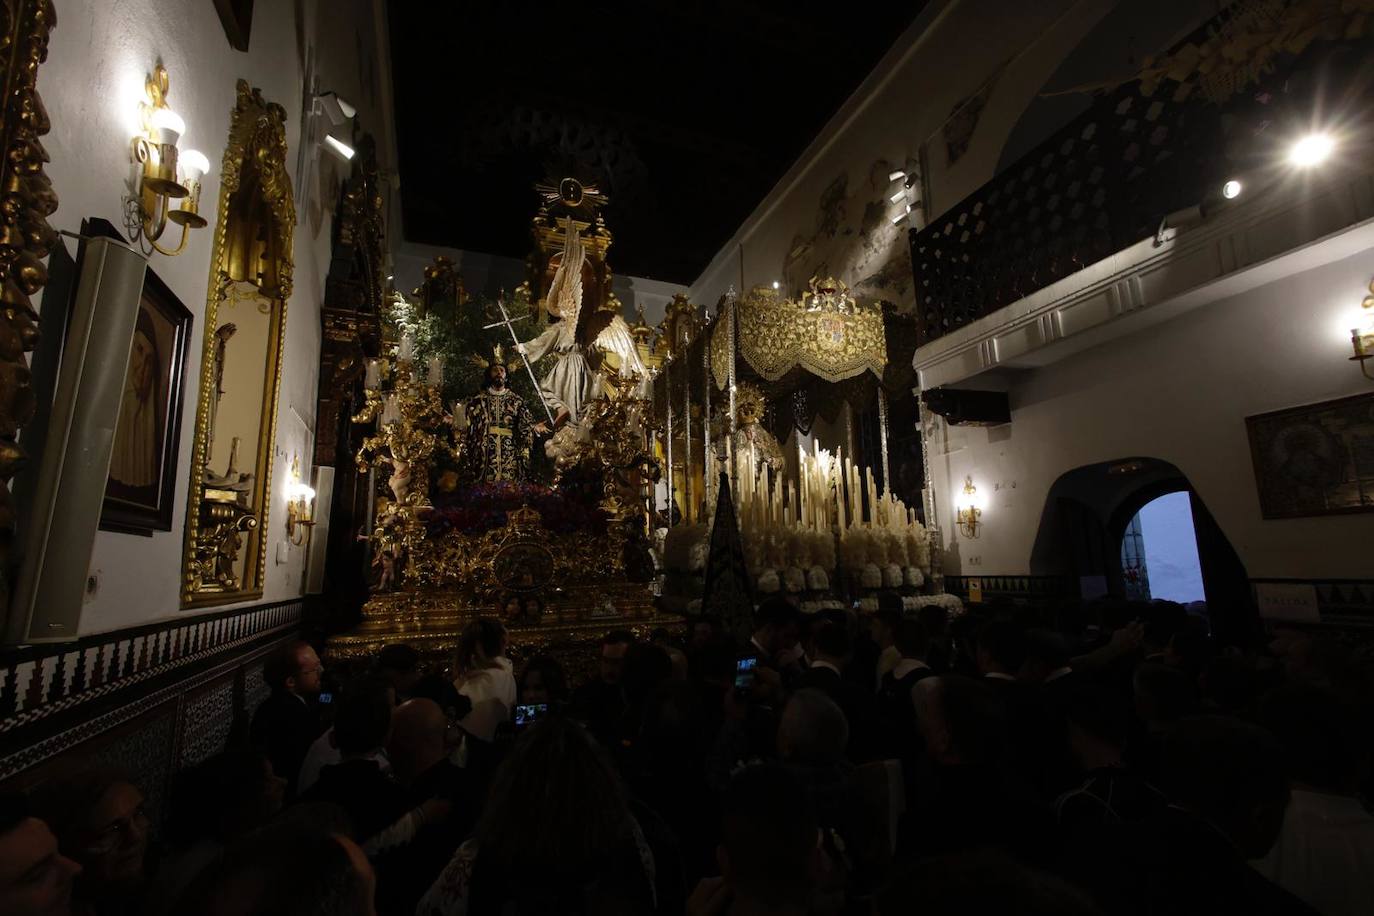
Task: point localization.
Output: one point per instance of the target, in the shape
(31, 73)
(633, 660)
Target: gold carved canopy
(826, 333)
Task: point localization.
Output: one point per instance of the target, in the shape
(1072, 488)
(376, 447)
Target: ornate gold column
(25, 236)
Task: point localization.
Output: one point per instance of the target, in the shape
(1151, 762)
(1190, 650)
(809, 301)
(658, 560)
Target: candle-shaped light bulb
(373, 377)
(391, 410)
(435, 376)
(405, 352)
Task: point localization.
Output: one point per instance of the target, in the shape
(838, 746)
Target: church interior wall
(1178, 392)
(951, 97)
(99, 56)
(831, 213)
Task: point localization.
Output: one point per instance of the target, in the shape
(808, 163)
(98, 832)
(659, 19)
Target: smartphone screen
(530, 713)
(326, 699)
(744, 672)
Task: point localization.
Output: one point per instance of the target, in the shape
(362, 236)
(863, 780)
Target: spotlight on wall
(1231, 189)
(968, 510)
(1362, 335)
(162, 182)
(1311, 150)
(335, 109)
(338, 112)
(338, 148)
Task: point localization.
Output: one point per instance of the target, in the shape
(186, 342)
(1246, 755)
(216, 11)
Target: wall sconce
(162, 181)
(1362, 335)
(968, 510)
(300, 506)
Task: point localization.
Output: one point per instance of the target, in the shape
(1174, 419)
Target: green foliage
(458, 335)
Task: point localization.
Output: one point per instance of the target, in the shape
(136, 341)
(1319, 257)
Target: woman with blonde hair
(483, 674)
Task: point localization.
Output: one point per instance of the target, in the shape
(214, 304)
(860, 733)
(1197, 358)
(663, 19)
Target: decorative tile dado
(54, 699)
(40, 681)
(145, 753)
(207, 717)
(255, 688)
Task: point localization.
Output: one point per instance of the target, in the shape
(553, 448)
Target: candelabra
(409, 415)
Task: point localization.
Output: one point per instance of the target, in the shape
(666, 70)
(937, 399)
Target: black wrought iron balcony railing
(1105, 181)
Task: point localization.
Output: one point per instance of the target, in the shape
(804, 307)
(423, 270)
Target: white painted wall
(947, 54)
(1180, 392)
(92, 83)
(954, 50)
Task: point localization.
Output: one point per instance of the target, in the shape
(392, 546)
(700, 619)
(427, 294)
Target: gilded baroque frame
(257, 139)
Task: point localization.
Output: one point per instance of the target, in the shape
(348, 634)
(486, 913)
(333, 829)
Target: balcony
(1079, 223)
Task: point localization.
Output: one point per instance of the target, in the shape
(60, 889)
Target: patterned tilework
(145, 754)
(207, 716)
(178, 686)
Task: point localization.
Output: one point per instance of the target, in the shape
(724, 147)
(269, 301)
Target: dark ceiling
(686, 113)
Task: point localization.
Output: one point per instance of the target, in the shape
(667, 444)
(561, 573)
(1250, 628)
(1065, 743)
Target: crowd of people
(831, 764)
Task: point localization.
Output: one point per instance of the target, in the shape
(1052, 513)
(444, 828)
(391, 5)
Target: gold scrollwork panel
(245, 322)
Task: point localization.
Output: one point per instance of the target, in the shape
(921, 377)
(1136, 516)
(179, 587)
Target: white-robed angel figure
(572, 382)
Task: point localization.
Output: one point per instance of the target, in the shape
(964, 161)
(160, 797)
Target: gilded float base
(571, 627)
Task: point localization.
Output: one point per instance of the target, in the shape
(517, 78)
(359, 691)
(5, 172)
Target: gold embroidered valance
(826, 334)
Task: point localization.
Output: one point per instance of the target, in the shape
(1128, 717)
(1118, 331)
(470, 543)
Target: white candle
(405, 352)
(391, 410)
(373, 376)
(436, 371)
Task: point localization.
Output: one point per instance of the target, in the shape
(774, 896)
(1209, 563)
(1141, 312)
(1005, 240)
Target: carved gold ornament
(25, 236)
(255, 253)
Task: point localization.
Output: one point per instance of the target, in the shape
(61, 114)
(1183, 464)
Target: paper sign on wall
(1294, 601)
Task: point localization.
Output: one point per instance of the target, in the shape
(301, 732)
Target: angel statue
(571, 382)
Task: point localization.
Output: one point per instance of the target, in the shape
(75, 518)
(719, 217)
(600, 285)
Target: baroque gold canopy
(826, 333)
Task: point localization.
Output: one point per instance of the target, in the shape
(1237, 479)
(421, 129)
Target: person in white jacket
(484, 675)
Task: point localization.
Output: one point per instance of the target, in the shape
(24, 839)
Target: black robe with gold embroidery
(496, 444)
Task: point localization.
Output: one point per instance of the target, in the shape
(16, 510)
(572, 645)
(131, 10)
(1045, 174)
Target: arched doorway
(1159, 558)
(1093, 521)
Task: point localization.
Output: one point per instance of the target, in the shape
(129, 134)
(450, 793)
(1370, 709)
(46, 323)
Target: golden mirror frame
(257, 140)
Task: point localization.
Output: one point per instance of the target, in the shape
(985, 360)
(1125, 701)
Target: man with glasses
(287, 722)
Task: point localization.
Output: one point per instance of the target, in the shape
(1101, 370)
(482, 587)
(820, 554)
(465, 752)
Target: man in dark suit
(831, 650)
(1047, 663)
(601, 702)
(287, 723)
(777, 625)
(1036, 733)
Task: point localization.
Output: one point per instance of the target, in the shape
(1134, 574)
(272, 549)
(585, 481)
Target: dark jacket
(283, 728)
(868, 738)
(371, 798)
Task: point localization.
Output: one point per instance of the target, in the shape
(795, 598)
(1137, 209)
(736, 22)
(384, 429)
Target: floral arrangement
(478, 509)
(913, 603)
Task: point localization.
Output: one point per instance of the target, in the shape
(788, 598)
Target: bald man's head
(417, 737)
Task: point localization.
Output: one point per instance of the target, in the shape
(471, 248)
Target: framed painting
(143, 462)
(237, 18)
(1317, 459)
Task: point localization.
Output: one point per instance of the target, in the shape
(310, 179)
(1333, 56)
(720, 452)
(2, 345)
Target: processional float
(546, 528)
(769, 393)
